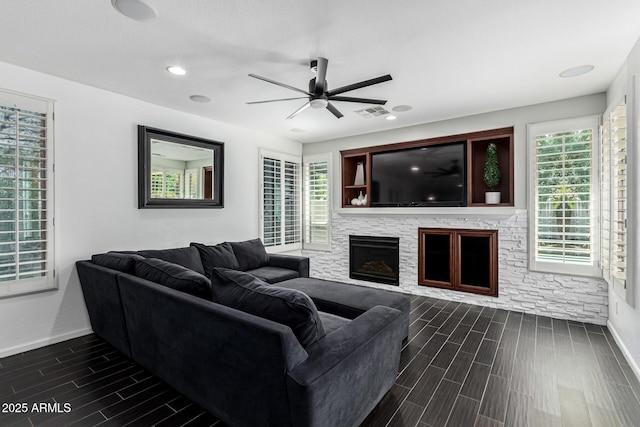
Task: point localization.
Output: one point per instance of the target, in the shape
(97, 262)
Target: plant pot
(492, 197)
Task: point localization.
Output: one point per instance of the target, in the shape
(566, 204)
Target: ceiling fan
(319, 94)
(454, 169)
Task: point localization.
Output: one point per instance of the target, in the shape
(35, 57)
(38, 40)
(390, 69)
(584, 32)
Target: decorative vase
(359, 180)
(360, 197)
(492, 197)
(355, 201)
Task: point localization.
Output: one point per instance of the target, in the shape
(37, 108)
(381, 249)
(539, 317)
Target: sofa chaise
(226, 326)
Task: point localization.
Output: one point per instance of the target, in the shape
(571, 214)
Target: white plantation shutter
(613, 260)
(191, 184)
(564, 207)
(26, 195)
(271, 196)
(292, 209)
(280, 201)
(317, 215)
(167, 184)
(605, 199)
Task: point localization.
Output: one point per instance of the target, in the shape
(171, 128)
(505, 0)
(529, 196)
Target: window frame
(557, 126)
(307, 244)
(282, 157)
(49, 281)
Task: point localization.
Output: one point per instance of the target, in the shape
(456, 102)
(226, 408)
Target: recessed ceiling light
(137, 10)
(298, 130)
(391, 117)
(200, 99)
(577, 71)
(402, 108)
(415, 168)
(176, 70)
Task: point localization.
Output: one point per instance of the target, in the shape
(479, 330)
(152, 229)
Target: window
(26, 195)
(563, 232)
(317, 214)
(280, 214)
(167, 184)
(613, 188)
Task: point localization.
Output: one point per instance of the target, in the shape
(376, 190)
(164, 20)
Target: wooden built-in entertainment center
(476, 145)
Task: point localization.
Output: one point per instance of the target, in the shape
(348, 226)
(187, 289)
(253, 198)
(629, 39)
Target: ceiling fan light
(319, 103)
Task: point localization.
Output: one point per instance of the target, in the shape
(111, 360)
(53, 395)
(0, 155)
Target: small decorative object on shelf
(359, 180)
(361, 200)
(492, 175)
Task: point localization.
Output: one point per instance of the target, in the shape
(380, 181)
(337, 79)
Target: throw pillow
(220, 255)
(289, 307)
(173, 276)
(250, 254)
(187, 257)
(117, 261)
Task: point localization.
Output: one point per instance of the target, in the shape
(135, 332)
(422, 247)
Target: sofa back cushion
(250, 254)
(188, 257)
(220, 255)
(173, 276)
(125, 262)
(289, 307)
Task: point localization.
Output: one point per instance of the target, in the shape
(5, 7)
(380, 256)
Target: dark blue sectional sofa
(226, 326)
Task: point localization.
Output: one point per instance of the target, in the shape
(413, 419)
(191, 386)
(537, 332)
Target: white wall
(561, 296)
(517, 117)
(96, 196)
(624, 315)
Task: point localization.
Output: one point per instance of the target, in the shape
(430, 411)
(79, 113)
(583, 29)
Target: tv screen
(423, 176)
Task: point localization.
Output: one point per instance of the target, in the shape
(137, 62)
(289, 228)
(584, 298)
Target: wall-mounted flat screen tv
(434, 175)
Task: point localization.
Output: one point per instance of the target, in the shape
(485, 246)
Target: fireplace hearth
(374, 259)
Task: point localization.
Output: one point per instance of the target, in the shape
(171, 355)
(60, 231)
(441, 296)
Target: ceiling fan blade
(334, 110)
(276, 100)
(362, 84)
(321, 75)
(280, 84)
(361, 100)
(299, 110)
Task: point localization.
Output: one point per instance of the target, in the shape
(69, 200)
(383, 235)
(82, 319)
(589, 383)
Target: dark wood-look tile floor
(463, 365)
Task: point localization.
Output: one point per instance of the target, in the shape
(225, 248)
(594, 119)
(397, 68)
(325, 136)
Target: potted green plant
(492, 175)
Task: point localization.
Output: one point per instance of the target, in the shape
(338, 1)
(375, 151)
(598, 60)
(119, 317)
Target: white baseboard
(44, 342)
(623, 349)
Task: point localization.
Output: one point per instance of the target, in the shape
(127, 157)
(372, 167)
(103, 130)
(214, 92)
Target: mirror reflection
(181, 171)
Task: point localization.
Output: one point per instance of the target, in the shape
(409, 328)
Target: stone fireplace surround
(582, 299)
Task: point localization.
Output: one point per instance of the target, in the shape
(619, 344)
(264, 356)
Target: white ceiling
(448, 58)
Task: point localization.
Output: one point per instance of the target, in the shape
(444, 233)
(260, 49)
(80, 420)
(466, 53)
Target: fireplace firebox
(375, 259)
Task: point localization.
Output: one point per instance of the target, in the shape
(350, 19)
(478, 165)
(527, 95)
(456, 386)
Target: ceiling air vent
(372, 112)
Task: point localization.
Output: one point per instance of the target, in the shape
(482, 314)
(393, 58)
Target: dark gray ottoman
(347, 300)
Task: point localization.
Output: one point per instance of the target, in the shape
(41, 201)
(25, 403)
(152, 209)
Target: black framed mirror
(179, 171)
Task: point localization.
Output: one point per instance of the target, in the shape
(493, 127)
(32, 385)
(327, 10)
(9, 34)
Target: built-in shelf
(476, 146)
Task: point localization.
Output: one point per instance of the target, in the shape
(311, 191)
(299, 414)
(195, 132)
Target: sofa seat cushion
(220, 255)
(331, 322)
(117, 261)
(173, 276)
(347, 300)
(188, 257)
(273, 274)
(250, 254)
(289, 307)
